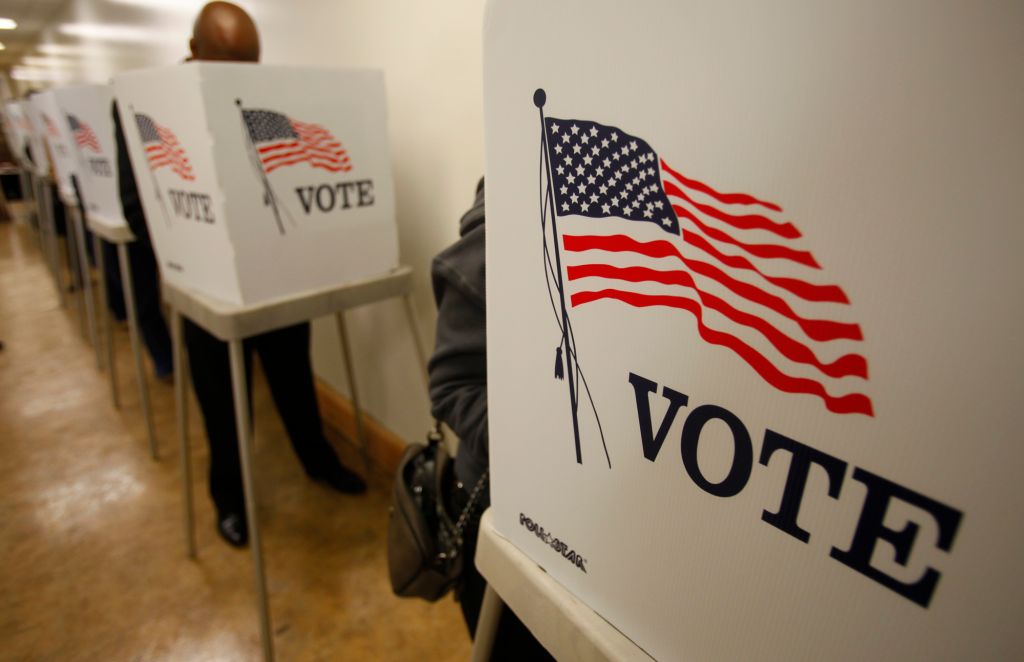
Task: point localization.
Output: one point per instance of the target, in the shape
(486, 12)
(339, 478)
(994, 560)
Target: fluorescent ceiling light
(164, 5)
(8, 24)
(109, 32)
(65, 49)
(29, 74)
(37, 61)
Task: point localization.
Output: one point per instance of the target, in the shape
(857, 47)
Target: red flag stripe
(741, 221)
(334, 147)
(725, 198)
(804, 290)
(849, 365)
(164, 154)
(315, 164)
(328, 156)
(767, 251)
(820, 330)
(854, 403)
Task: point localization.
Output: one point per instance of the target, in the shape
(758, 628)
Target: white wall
(431, 55)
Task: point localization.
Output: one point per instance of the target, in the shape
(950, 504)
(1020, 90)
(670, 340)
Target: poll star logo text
(560, 546)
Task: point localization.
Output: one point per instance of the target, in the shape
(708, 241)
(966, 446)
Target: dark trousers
(112, 270)
(513, 642)
(146, 284)
(284, 355)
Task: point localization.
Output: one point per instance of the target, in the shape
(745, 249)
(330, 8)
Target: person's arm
(458, 370)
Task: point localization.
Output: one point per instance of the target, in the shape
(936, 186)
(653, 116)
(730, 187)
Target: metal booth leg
(108, 322)
(40, 212)
(28, 187)
(181, 376)
(350, 373)
(46, 234)
(45, 203)
(102, 323)
(75, 270)
(133, 332)
(243, 421)
(487, 625)
(86, 277)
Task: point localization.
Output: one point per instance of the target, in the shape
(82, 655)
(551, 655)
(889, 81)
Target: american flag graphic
(83, 134)
(162, 148)
(281, 141)
(51, 128)
(730, 260)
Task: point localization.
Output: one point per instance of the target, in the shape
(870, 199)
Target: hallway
(93, 560)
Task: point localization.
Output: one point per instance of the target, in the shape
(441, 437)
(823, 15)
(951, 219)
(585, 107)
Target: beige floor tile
(92, 563)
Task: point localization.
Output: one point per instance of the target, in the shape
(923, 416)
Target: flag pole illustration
(644, 234)
(567, 343)
(539, 98)
(269, 196)
(149, 133)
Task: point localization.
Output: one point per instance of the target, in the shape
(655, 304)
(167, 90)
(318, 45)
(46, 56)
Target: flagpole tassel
(559, 370)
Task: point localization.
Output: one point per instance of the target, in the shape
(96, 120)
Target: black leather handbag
(424, 540)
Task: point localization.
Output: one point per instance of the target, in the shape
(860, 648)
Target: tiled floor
(92, 562)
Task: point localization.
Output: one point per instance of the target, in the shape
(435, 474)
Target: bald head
(225, 32)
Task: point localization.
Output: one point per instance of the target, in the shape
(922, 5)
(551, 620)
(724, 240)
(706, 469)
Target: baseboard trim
(385, 447)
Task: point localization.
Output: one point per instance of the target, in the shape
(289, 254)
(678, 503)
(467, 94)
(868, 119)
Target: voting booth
(16, 129)
(54, 128)
(86, 110)
(269, 199)
(261, 181)
(37, 135)
(754, 321)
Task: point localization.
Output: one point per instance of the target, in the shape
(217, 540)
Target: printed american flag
(282, 141)
(162, 148)
(731, 260)
(83, 134)
(51, 128)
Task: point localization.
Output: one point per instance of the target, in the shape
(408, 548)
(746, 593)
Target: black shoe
(335, 474)
(233, 528)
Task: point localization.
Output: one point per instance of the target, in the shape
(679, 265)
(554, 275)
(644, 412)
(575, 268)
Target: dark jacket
(131, 204)
(458, 368)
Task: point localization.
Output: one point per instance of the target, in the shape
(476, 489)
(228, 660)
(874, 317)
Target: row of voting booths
(268, 199)
(64, 138)
(777, 267)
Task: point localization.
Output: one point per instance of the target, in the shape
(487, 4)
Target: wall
(431, 56)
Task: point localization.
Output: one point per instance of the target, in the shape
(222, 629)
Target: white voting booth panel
(16, 128)
(61, 146)
(262, 181)
(37, 136)
(86, 110)
(787, 257)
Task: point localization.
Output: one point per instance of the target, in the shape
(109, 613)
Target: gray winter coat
(458, 368)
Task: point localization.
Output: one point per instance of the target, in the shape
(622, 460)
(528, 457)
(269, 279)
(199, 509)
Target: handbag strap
(436, 435)
(474, 498)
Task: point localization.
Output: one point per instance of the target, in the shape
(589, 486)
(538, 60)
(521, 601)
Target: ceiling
(32, 16)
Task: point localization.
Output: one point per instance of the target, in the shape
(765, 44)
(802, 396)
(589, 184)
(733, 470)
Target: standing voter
(225, 32)
(458, 396)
